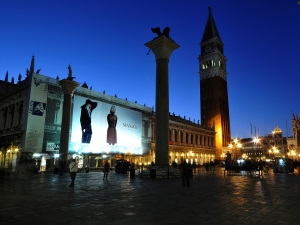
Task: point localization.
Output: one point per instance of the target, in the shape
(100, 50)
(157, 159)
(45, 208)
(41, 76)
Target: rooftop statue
(70, 73)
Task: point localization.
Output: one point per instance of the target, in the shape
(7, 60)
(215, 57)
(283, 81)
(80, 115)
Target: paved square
(211, 199)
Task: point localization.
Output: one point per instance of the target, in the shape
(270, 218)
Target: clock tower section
(213, 85)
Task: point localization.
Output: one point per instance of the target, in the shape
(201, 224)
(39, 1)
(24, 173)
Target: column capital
(162, 46)
(68, 86)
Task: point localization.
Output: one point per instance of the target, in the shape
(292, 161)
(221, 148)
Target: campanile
(213, 85)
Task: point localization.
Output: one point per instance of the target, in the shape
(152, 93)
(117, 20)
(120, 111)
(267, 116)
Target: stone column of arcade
(162, 47)
(68, 87)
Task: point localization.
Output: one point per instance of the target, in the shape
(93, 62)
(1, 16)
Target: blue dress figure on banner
(86, 120)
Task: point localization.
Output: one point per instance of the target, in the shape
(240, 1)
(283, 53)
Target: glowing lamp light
(256, 140)
(281, 162)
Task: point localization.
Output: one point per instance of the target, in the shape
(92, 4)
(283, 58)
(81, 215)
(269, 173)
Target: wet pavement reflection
(211, 199)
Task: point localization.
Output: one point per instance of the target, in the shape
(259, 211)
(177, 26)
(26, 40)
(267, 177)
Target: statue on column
(159, 33)
(70, 77)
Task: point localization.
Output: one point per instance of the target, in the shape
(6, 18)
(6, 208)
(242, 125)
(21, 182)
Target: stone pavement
(211, 199)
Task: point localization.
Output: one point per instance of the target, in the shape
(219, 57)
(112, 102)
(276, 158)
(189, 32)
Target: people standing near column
(86, 120)
(260, 168)
(61, 166)
(73, 171)
(185, 173)
(106, 169)
(212, 166)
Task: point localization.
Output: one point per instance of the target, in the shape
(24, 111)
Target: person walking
(73, 171)
(106, 169)
(61, 167)
(260, 168)
(212, 166)
(185, 173)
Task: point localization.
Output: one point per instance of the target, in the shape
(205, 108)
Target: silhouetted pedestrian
(61, 167)
(73, 171)
(106, 169)
(260, 168)
(87, 169)
(185, 173)
(212, 166)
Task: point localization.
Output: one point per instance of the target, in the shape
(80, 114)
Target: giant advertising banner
(99, 127)
(36, 113)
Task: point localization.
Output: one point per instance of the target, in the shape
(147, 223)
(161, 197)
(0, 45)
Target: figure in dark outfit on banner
(111, 130)
(185, 173)
(85, 120)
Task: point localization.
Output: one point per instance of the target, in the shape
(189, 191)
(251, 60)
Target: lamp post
(293, 153)
(235, 145)
(275, 151)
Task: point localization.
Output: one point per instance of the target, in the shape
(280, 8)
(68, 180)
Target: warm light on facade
(256, 140)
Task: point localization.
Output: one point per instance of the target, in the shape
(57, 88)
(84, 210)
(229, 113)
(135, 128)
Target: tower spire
(210, 30)
(213, 85)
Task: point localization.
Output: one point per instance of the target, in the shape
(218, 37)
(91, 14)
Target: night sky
(104, 42)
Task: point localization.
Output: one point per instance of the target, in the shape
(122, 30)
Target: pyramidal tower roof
(210, 30)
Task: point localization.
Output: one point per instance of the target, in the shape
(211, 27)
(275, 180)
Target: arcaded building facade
(31, 117)
(188, 141)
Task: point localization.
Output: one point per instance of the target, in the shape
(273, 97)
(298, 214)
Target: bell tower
(213, 85)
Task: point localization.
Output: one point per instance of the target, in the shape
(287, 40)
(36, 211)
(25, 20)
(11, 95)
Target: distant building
(264, 148)
(293, 143)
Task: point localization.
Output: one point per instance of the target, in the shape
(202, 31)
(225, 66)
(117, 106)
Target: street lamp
(293, 153)
(275, 150)
(235, 145)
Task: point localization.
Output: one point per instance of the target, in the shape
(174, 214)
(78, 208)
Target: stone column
(68, 87)
(162, 48)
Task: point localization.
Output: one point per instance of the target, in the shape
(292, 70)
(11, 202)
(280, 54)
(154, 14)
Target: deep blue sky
(104, 42)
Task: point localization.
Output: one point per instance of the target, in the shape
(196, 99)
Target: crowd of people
(123, 166)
